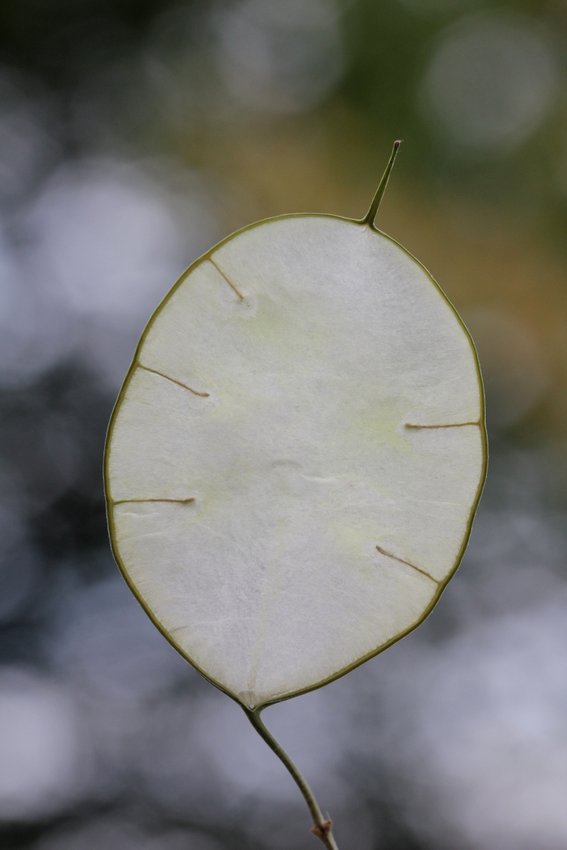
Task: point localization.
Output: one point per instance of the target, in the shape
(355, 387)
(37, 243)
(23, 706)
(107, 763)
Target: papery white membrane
(296, 454)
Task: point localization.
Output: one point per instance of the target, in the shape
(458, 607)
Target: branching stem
(322, 826)
(377, 199)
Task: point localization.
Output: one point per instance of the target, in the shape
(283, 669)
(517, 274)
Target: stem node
(322, 830)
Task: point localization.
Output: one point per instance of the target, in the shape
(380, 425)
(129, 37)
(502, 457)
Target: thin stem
(377, 199)
(322, 826)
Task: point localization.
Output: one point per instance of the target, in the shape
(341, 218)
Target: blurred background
(133, 135)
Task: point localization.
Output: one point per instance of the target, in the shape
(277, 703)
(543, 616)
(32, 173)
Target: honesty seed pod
(296, 455)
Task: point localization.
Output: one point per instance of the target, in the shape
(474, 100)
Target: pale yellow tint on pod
(296, 455)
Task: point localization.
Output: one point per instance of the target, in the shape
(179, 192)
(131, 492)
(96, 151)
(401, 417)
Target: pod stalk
(322, 826)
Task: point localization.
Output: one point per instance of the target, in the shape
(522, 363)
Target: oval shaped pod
(296, 455)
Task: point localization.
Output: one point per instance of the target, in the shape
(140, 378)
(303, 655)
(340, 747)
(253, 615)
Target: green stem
(322, 826)
(377, 199)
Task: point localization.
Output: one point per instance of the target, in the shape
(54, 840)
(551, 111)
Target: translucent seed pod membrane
(296, 455)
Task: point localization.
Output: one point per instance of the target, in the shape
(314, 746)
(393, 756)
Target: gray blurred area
(133, 135)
